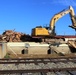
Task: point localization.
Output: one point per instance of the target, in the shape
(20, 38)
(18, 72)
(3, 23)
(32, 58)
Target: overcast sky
(23, 15)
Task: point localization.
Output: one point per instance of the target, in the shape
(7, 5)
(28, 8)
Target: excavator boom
(57, 16)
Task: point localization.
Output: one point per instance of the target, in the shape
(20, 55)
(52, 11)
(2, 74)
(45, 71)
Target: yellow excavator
(40, 31)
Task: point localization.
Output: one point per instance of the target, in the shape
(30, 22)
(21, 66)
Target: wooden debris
(12, 36)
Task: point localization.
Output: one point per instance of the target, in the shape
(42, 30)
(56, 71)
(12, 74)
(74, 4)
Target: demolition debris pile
(13, 36)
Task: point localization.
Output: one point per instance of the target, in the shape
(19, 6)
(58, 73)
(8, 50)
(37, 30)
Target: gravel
(49, 65)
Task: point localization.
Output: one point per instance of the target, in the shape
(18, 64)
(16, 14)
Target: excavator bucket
(73, 22)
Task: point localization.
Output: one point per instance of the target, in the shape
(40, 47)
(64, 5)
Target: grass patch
(7, 55)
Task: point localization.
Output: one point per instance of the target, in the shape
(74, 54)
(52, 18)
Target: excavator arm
(59, 15)
(73, 18)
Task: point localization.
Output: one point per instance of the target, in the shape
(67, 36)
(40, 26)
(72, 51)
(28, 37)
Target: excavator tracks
(61, 65)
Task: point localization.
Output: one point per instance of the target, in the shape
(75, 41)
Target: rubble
(13, 36)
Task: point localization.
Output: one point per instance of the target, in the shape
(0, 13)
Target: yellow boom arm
(61, 14)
